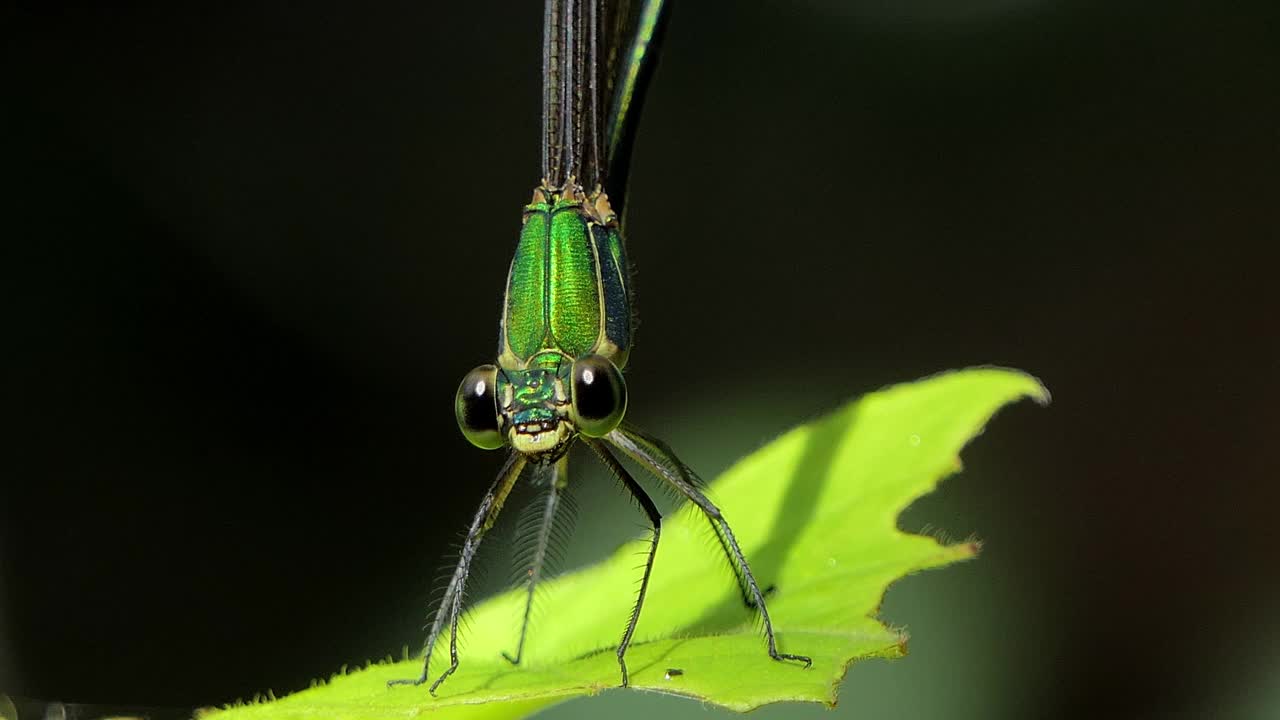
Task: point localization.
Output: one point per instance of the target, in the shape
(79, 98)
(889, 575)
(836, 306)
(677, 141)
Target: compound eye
(476, 408)
(599, 396)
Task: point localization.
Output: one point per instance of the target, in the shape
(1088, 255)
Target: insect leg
(451, 603)
(658, 458)
(655, 517)
(555, 484)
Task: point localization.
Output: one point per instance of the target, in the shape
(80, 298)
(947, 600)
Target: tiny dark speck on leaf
(672, 672)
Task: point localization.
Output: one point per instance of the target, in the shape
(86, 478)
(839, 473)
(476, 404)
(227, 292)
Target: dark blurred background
(249, 250)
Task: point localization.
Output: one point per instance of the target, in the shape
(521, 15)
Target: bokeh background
(249, 250)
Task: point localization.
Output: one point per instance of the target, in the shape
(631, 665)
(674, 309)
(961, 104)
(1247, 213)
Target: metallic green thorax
(567, 290)
(567, 297)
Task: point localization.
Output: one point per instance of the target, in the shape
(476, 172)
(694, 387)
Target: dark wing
(572, 92)
(635, 34)
(597, 56)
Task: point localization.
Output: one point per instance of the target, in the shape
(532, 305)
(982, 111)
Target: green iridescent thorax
(533, 403)
(568, 286)
(567, 297)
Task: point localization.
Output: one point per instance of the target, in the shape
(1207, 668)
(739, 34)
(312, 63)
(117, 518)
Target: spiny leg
(744, 590)
(555, 484)
(655, 517)
(451, 603)
(655, 456)
(730, 559)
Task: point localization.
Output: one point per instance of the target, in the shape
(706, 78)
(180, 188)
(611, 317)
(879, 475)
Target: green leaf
(815, 512)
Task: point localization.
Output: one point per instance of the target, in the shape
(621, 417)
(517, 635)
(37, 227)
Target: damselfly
(566, 325)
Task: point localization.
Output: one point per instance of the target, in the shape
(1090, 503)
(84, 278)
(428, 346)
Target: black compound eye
(599, 396)
(476, 408)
